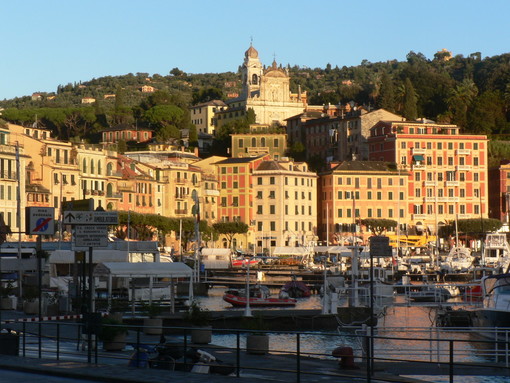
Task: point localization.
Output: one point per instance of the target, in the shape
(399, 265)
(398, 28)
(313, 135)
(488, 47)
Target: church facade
(266, 90)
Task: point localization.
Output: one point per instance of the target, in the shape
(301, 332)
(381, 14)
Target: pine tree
(386, 98)
(409, 111)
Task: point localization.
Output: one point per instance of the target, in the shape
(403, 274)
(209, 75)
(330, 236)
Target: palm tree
(460, 100)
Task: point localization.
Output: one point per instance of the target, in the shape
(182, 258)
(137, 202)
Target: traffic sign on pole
(40, 220)
(91, 218)
(91, 236)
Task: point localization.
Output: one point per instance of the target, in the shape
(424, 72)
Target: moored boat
(259, 296)
(495, 310)
(295, 289)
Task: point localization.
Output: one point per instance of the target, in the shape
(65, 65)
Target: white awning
(143, 269)
(98, 256)
(219, 251)
(292, 251)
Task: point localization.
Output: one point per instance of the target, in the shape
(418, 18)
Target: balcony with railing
(180, 211)
(415, 151)
(180, 180)
(430, 183)
(463, 152)
(452, 183)
(419, 216)
(6, 175)
(463, 168)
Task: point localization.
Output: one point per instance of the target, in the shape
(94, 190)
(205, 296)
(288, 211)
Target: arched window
(225, 243)
(109, 190)
(254, 79)
(109, 206)
(84, 165)
(99, 167)
(253, 142)
(262, 141)
(234, 243)
(109, 169)
(92, 166)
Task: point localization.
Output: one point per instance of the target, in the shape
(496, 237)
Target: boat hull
(238, 301)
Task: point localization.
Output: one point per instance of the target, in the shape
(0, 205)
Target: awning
(98, 256)
(289, 251)
(143, 269)
(418, 157)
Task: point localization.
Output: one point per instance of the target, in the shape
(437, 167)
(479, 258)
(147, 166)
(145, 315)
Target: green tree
(487, 115)
(460, 100)
(386, 98)
(409, 110)
(193, 136)
(230, 230)
(379, 225)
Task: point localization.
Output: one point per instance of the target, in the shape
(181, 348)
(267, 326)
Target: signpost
(91, 236)
(75, 217)
(40, 220)
(90, 230)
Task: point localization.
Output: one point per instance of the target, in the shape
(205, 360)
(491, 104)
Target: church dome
(251, 53)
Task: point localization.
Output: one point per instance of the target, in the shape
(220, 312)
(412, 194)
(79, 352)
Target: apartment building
(447, 170)
(285, 205)
(354, 190)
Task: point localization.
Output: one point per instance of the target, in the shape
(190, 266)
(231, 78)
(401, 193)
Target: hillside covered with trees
(471, 92)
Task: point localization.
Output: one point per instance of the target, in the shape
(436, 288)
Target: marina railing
(296, 355)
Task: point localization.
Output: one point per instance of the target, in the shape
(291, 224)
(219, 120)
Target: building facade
(447, 170)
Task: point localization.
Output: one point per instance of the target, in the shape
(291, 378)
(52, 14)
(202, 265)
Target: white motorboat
(495, 310)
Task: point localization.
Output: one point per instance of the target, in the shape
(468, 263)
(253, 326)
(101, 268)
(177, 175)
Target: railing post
(369, 356)
(58, 341)
(137, 351)
(39, 335)
(24, 338)
(185, 346)
(298, 356)
(451, 361)
(238, 354)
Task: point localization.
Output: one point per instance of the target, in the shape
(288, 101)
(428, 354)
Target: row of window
(253, 140)
(272, 226)
(272, 210)
(371, 182)
(439, 161)
(437, 145)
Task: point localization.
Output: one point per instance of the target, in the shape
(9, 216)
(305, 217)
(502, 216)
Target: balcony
(463, 167)
(180, 181)
(463, 152)
(114, 195)
(212, 192)
(430, 183)
(418, 216)
(180, 211)
(452, 183)
(8, 175)
(415, 151)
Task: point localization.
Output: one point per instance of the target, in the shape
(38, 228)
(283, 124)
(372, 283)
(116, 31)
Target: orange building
(355, 190)
(448, 175)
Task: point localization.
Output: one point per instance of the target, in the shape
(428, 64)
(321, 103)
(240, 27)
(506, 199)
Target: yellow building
(202, 115)
(285, 205)
(258, 143)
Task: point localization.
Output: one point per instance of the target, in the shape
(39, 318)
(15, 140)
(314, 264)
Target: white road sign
(40, 220)
(91, 218)
(91, 236)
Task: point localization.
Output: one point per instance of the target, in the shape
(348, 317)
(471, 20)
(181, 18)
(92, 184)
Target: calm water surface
(411, 322)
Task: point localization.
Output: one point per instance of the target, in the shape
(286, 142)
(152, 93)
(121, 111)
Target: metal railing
(293, 354)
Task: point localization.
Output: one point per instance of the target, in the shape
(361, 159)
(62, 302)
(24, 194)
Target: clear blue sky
(47, 43)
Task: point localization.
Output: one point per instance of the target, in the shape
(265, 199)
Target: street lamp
(247, 309)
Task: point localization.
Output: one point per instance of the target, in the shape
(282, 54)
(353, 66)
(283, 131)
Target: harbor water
(407, 331)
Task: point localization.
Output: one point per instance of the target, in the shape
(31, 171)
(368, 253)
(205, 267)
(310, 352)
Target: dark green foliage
(230, 229)
(197, 316)
(409, 110)
(445, 91)
(474, 226)
(379, 225)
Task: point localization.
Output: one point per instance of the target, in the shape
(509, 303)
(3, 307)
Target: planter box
(116, 344)
(257, 344)
(8, 303)
(31, 307)
(153, 326)
(201, 335)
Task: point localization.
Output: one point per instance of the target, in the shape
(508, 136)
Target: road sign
(91, 236)
(380, 247)
(79, 205)
(91, 218)
(40, 220)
